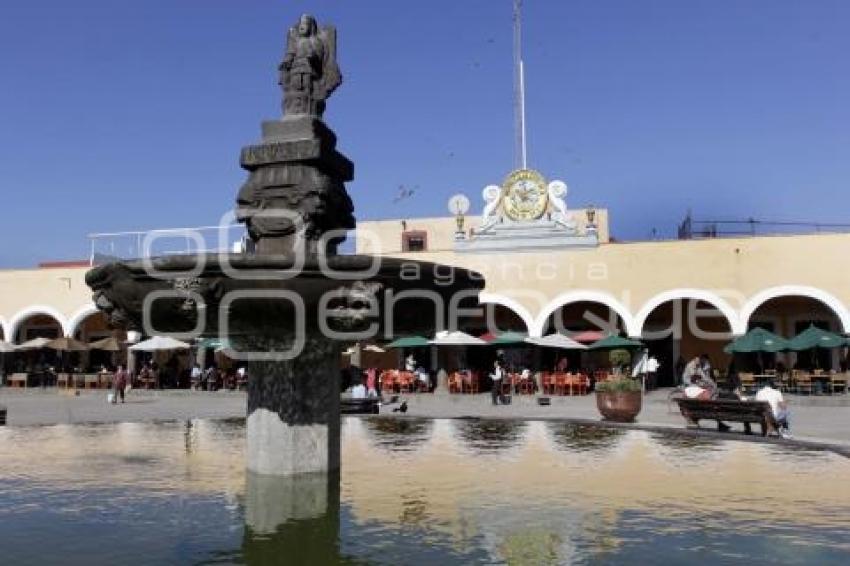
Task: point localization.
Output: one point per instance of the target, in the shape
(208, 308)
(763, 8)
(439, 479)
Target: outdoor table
(78, 380)
(762, 378)
(17, 380)
(91, 380)
(823, 382)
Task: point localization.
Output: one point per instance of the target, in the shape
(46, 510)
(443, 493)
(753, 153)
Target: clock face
(525, 195)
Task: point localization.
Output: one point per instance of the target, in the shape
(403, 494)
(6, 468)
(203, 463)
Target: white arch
(508, 303)
(709, 297)
(21, 316)
(5, 328)
(762, 297)
(79, 317)
(584, 296)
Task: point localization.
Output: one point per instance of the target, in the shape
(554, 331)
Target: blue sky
(120, 115)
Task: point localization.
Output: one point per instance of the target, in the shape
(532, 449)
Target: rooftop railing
(124, 246)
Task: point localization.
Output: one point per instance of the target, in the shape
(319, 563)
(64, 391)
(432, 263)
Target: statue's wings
(288, 54)
(331, 77)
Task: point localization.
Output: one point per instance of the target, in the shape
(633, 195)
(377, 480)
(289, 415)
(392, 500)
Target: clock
(525, 195)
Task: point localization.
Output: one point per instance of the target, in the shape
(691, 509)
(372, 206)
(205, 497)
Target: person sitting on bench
(699, 389)
(778, 406)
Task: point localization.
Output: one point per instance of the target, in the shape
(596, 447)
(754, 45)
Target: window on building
(414, 241)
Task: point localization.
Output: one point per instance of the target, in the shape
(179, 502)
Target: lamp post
(459, 206)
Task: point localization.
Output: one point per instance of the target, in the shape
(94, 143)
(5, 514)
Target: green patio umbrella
(615, 342)
(507, 338)
(409, 342)
(216, 344)
(814, 337)
(757, 340)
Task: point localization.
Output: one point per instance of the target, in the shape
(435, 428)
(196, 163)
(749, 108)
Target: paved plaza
(822, 419)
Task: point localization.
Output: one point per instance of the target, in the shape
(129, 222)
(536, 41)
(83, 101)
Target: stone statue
(295, 193)
(557, 197)
(492, 197)
(309, 73)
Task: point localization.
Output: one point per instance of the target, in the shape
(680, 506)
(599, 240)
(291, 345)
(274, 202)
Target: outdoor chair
(748, 382)
(803, 383)
(406, 381)
(63, 380)
(526, 386)
(581, 383)
(546, 383)
(388, 381)
(838, 382)
(471, 383)
(560, 384)
(455, 383)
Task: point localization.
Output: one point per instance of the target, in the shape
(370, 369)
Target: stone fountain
(287, 307)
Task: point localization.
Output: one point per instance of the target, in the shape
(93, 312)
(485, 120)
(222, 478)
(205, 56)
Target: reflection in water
(292, 520)
(490, 435)
(177, 493)
(399, 434)
(689, 445)
(584, 438)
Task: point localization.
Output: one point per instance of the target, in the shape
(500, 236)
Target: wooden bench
(358, 406)
(729, 410)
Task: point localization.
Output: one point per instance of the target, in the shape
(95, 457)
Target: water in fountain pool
(417, 492)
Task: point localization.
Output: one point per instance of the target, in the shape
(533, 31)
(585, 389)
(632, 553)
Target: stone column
(293, 407)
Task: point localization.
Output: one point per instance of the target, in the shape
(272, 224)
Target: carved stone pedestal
(295, 187)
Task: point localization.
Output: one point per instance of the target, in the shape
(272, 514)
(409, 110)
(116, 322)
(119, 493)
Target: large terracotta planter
(619, 406)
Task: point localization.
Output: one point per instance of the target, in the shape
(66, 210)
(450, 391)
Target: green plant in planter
(619, 358)
(618, 385)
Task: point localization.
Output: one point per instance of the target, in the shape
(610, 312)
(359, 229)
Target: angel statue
(557, 196)
(309, 73)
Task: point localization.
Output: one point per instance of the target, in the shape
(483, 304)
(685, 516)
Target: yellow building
(682, 297)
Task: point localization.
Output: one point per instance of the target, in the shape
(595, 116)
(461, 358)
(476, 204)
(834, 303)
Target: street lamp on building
(459, 206)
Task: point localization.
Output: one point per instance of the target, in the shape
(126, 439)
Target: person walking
(119, 382)
(652, 366)
(496, 381)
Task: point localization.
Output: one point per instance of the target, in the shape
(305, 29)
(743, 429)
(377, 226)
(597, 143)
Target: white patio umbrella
(34, 344)
(159, 343)
(557, 341)
(456, 338)
(370, 348)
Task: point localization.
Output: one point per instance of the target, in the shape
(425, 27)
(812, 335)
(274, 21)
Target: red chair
(471, 382)
(583, 384)
(546, 383)
(560, 384)
(388, 381)
(405, 381)
(455, 383)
